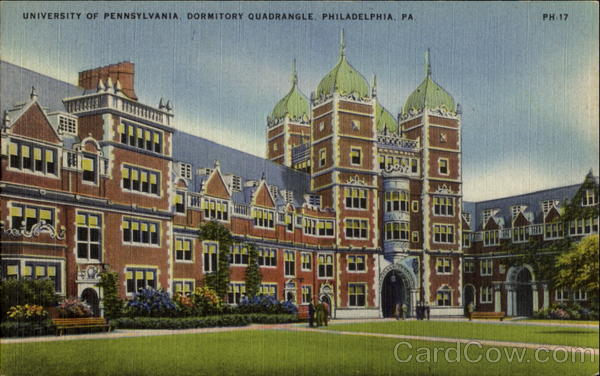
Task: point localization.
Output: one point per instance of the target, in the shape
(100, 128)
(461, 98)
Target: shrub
(74, 307)
(14, 292)
(113, 305)
(27, 313)
(567, 311)
(266, 304)
(26, 329)
(149, 302)
(199, 322)
(206, 302)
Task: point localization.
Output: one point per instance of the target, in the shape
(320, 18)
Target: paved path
(130, 333)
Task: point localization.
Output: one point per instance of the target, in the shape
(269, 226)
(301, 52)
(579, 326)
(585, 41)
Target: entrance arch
(396, 285)
(90, 296)
(522, 296)
(524, 293)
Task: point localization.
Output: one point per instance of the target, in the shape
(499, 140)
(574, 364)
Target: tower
(431, 116)
(288, 125)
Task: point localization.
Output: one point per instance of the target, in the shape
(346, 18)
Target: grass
(258, 353)
(570, 322)
(551, 335)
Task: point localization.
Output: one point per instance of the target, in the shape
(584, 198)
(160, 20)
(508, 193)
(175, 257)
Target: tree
(578, 267)
(253, 274)
(218, 280)
(113, 304)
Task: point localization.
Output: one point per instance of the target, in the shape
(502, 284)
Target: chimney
(122, 72)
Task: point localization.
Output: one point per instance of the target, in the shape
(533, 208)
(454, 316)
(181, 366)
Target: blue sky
(528, 87)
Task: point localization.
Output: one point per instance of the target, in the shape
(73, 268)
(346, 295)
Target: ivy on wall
(218, 280)
(253, 274)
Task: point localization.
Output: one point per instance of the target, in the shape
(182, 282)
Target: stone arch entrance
(522, 293)
(469, 297)
(396, 287)
(90, 296)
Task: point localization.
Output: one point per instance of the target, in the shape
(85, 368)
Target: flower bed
(26, 329)
(200, 322)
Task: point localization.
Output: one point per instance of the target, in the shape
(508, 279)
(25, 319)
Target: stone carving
(36, 230)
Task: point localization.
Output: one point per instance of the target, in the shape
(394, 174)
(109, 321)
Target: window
(414, 166)
(325, 266)
(520, 234)
(185, 170)
(209, 252)
(443, 206)
(415, 206)
(357, 294)
(140, 180)
(9, 269)
(89, 167)
(355, 198)
(396, 201)
(355, 125)
(443, 234)
(547, 205)
(274, 147)
(306, 262)
(288, 220)
(267, 257)
(236, 183)
(561, 295)
(443, 265)
(579, 295)
(290, 263)
(44, 270)
(268, 289)
(306, 294)
(396, 231)
(486, 294)
(183, 287)
(355, 156)
(415, 236)
(263, 218)
(89, 228)
(443, 166)
(314, 200)
(466, 239)
(516, 209)
(486, 267)
(381, 160)
(219, 210)
(325, 228)
(239, 255)
(67, 125)
(444, 297)
(183, 249)
(491, 238)
(29, 215)
(235, 291)
(553, 230)
(469, 266)
(322, 157)
(32, 157)
(140, 137)
(139, 278)
(357, 263)
(583, 226)
(589, 198)
(179, 202)
(141, 232)
(357, 228)
(310, 226)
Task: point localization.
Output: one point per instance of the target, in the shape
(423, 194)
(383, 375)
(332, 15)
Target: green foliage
(199, 322)
(202, 302)
(540, 255)
(113, 304)
(567, 311)
(15, 292)
(26, 329)
(253, 274)
(219, 280)
(578, 268)
(574, 210)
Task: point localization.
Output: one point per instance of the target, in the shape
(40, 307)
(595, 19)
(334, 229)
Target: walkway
(131, 333)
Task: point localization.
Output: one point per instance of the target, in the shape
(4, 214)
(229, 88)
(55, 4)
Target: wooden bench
(488, 315)
(83, 322)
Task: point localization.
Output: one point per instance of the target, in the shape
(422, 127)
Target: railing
(241, 209)
(194, 201)
(403, 143)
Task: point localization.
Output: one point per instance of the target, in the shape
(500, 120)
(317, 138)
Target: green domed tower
(429, 95)
(288, 125)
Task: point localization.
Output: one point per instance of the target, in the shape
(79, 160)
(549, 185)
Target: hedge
(26, 329)
(199, 322)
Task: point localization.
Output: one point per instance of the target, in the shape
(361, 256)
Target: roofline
(41, 74)
(524, 194)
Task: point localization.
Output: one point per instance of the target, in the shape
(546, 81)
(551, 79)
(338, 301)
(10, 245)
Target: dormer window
(185, 170)
(516, 209)
(547, 205)
(67, 125)
(589, 198)
(314, 200)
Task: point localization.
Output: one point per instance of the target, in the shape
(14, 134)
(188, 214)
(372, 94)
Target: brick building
(352, 205)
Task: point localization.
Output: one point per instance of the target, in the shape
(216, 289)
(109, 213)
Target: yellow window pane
(144, 177)
(87, 164)
(178, 244)
(134, 174)
(178, 287)
(37, 154)
(135, 225)
(150, 276)
(12, 148)
(129, 275)
(125, 173)
(144, 227)
(130, 130)
(121, 128)
(16, 211)
(139, 275)
(25, 150)
(156, 138)
(51, 271)
(186, 245)
(346, 191)
(81, 219)
(147, 135)
(270, 215)
(93, 220)
(27, 270)
(12, 270)
(152, 227)
(49, 156)
(139, 132)
(153, 178)
(125, 225)
(40, 271)
(362, 193)
(320, 225)
(187, 287)
(178, 198)
(30, 213)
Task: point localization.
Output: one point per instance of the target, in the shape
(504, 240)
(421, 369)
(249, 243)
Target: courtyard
(375, 347)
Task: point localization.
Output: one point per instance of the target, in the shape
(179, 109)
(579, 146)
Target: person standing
(325, 312)
(397, 311)
(311, 314)
(470, 309)
(404, 310)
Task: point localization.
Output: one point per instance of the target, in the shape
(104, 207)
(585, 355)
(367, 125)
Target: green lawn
(551, 335)
(570, 322)
(259, 353)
